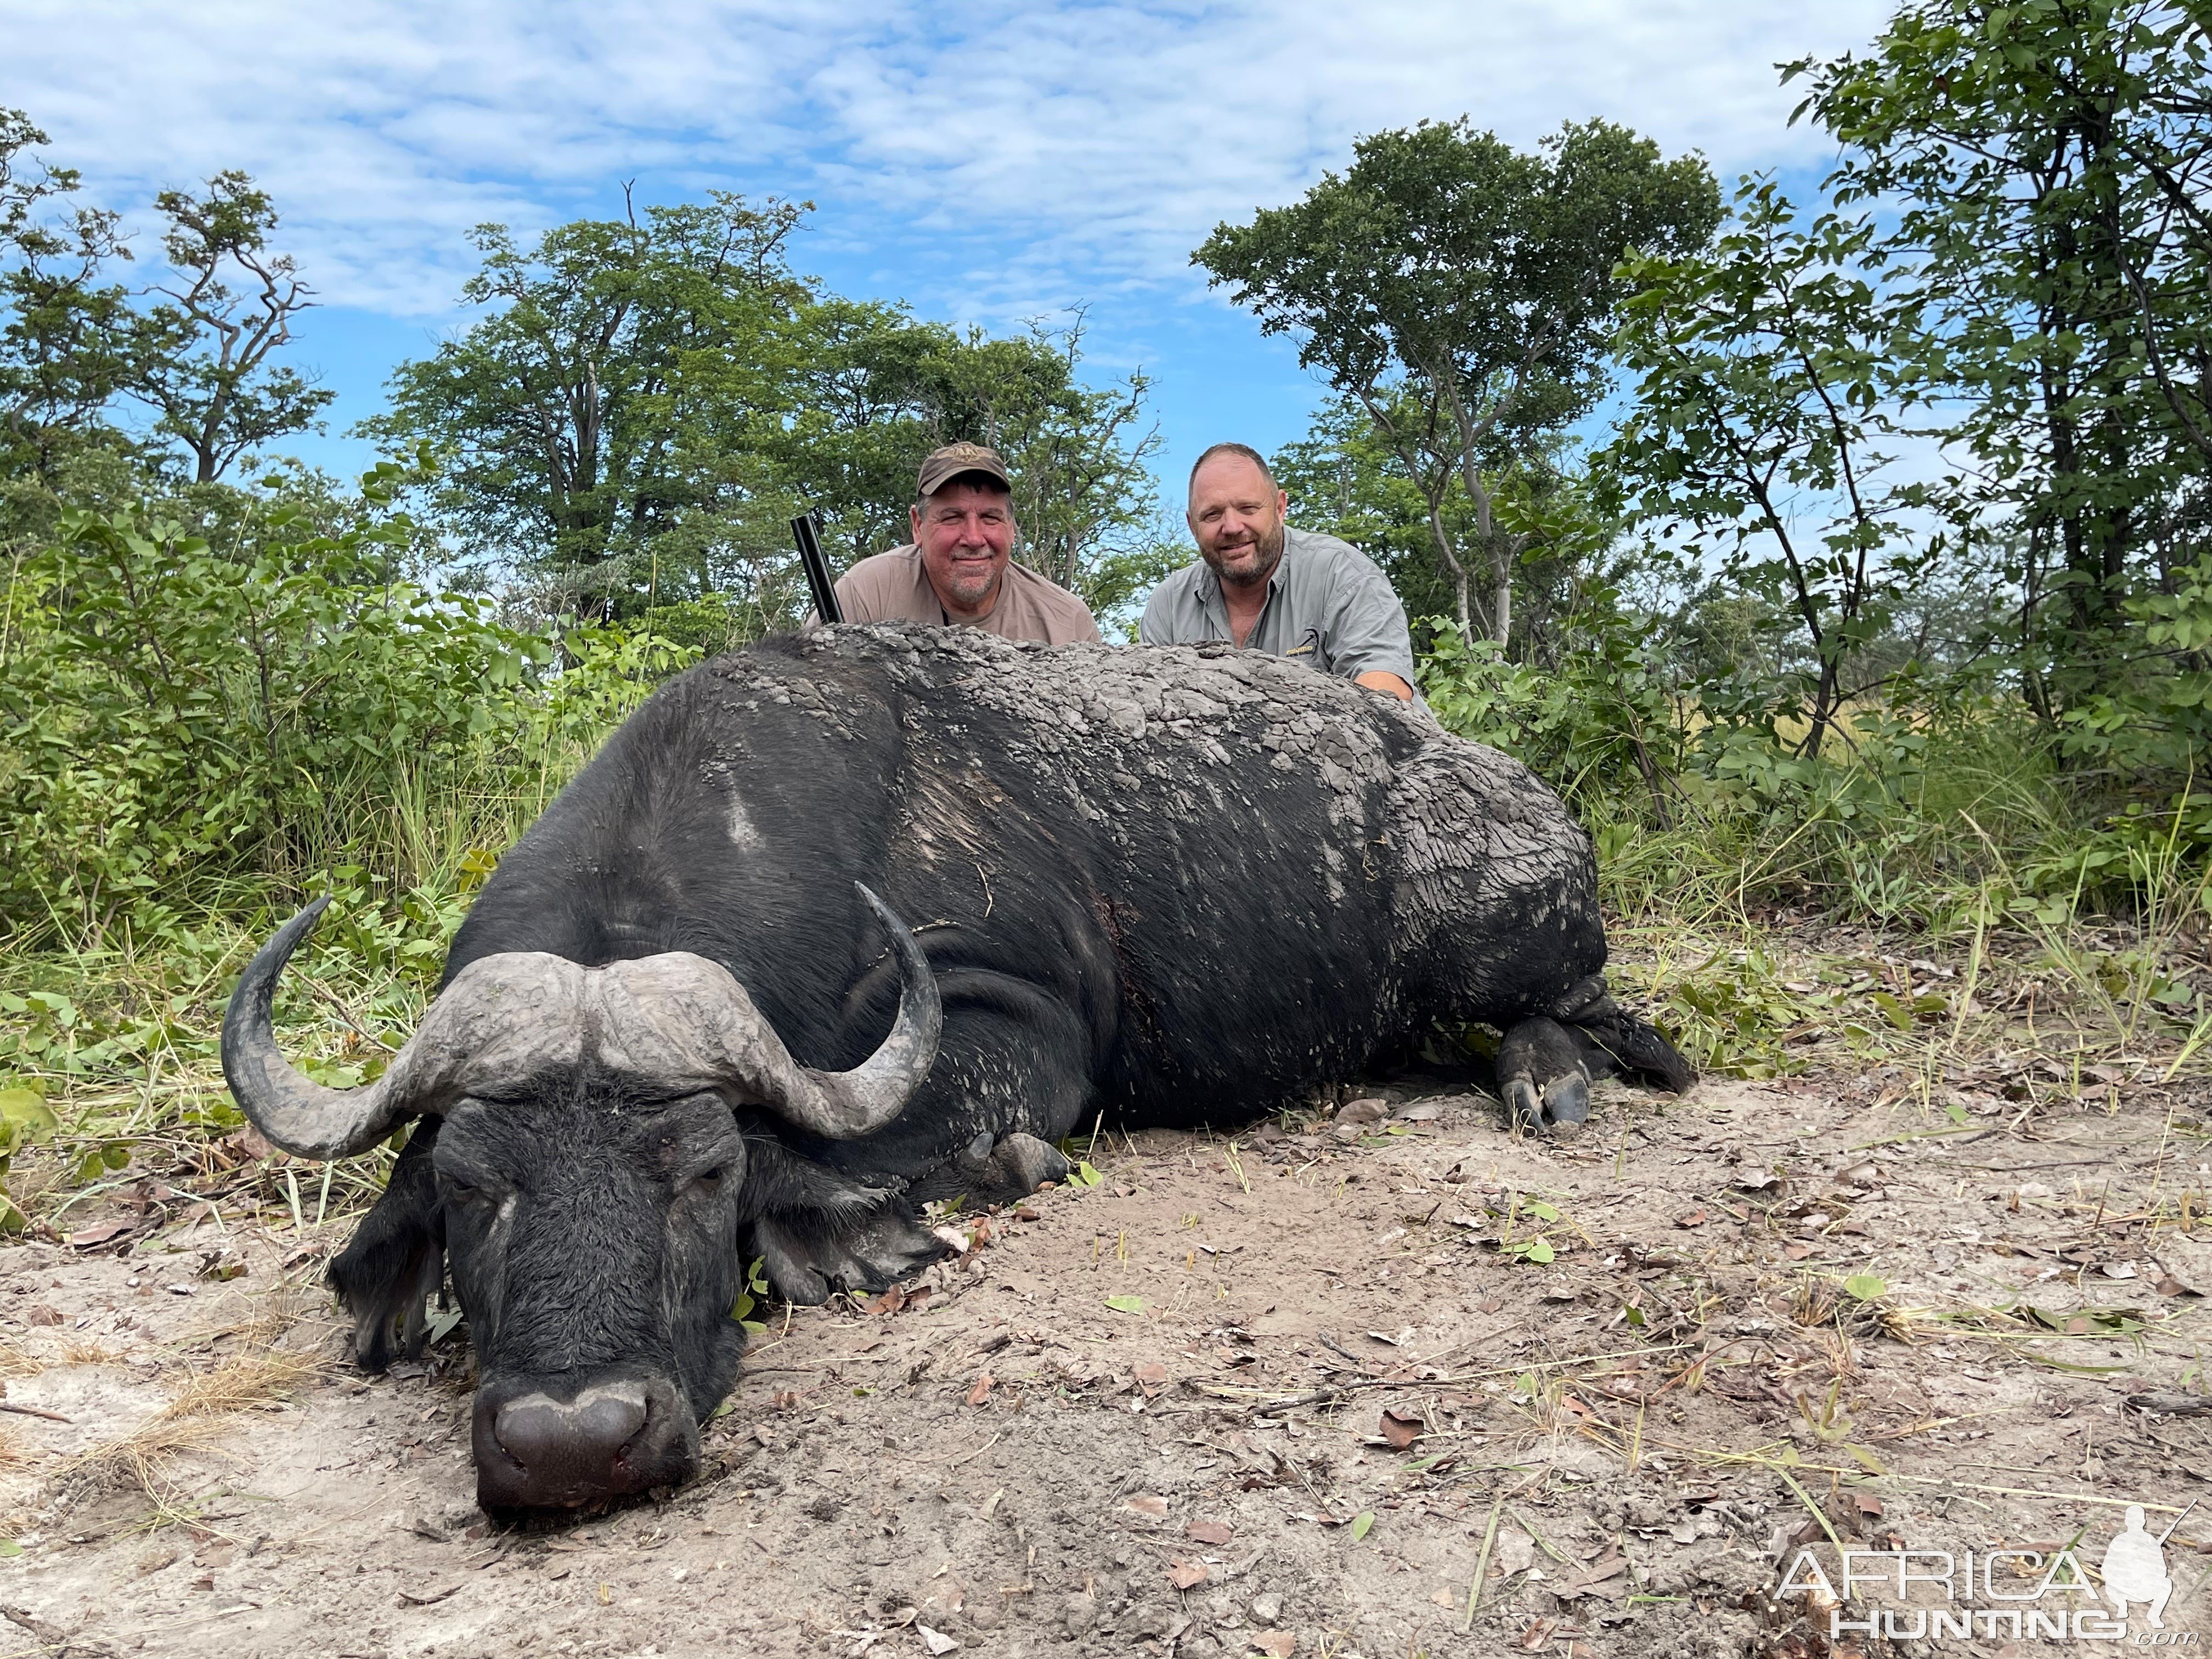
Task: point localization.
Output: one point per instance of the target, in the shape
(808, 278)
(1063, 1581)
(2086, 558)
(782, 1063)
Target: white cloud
(1032, 157)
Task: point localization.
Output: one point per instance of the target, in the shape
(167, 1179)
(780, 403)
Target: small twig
(33, 1411)
(1343, 1353)
(347, 1014)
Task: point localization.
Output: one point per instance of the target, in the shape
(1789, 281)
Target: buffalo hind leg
(1545, 1065)
(396, 1260)
(1544, 1073)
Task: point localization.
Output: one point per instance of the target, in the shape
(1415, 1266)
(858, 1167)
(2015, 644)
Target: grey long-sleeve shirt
(1327, 604)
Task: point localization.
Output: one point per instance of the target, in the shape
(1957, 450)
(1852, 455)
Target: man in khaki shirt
(959, 568)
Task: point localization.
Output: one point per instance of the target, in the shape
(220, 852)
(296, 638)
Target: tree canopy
(1461, 292)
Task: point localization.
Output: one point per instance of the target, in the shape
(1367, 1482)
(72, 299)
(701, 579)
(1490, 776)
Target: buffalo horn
(682, 1021)
(502, 1018)
(674, 1019)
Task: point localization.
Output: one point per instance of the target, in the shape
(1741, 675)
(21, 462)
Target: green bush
(193, 727)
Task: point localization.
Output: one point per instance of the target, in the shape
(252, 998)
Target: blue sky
(1009, 163)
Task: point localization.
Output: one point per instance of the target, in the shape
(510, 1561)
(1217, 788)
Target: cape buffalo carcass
(848, 921)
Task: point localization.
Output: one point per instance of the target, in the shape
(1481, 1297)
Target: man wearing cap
(1262, 584)
(959, 568)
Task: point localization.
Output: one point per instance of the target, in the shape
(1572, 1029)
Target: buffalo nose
(606, 1440)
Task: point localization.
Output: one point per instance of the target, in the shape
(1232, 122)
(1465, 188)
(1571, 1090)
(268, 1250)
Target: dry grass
(194, 1421)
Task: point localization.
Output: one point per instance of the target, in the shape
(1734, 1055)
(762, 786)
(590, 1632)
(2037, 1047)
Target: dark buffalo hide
(1180, 886)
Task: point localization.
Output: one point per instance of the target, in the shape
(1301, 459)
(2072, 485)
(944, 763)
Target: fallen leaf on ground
(2187, 1261)
(85, 1237)
(1145, 1504)
(889, 1302)
(1537, 1634)
(1278, 1643)
(1125, 1303)
(1215, 1533)
(1401, 1428)
(1152, 1378)
(1695, 1219)
(1188, 1575)
(424, 1598)
(935, 1641)
(1608, 1578)
(980, 1389)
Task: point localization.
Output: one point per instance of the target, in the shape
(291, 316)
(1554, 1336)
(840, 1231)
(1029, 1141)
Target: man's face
(966, 534)
(1236, 516)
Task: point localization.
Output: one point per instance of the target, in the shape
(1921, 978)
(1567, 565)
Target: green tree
(1461, 292)
(569, 450)
(2048, 164)
(59, 362)
(1768, 373)
(651, 399)
(197, 347)
(201, 357)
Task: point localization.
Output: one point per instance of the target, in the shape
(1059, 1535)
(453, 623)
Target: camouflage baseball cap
(955, 460)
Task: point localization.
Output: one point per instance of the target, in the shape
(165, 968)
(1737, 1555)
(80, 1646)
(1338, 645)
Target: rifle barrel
(806, 532)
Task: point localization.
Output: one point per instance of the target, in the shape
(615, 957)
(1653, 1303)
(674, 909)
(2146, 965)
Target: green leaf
(1536, 1250)
(27, 1115)
(1867, 1287)
(9, 1548)
(1125, 1303)
(1362, 1524)
(1084, 1176)
(1541, 1211)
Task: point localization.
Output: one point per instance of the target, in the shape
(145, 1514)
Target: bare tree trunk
(1452, 565)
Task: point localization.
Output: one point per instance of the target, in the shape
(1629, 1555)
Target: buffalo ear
(396, 1260)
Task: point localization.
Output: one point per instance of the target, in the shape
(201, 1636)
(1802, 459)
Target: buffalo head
(583, 1169)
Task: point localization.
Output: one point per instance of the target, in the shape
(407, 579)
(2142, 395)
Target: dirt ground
(1299, 1393)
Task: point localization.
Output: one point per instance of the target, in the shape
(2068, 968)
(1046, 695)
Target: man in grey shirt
(1262, 584)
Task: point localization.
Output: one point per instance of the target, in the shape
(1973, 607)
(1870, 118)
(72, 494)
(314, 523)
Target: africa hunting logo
(2017, 1595)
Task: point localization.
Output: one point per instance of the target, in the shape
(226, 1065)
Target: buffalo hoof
(1026, 1163)
(1523, 1105)
(1566, 1104)
(988, 1172)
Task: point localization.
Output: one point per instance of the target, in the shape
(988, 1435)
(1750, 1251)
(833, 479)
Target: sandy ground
(1295, 1395)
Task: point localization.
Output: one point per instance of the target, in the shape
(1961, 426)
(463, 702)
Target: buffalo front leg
(396, 1260)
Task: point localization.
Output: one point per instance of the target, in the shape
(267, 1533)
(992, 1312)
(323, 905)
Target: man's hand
(1375, 679)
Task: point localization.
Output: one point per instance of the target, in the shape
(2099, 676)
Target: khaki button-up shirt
(894, 588)
(1327, 604)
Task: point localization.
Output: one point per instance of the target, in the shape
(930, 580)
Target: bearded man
(959, 567)
(1262, 586)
